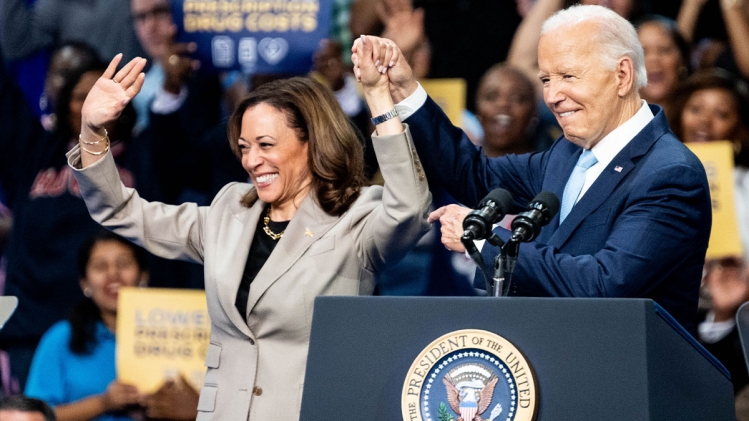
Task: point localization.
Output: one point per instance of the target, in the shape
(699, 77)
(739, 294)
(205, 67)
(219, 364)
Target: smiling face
(710, 114)
(111, 265)
(505, 105)
(274, 157)
(663, 61)
(588, 99)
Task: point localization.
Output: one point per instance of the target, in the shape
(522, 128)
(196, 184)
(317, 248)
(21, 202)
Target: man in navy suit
(639, 223)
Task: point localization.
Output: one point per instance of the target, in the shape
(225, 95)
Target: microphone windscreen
(501, 197)
(548, 199)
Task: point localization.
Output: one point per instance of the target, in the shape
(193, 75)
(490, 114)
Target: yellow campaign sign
(717, 157)
(161, 333)
(449, 94)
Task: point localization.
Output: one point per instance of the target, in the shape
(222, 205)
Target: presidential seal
(469, 375)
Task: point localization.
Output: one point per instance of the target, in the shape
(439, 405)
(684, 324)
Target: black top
(260, 250)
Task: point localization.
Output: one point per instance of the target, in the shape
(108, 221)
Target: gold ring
(114, 81)
(173, 59)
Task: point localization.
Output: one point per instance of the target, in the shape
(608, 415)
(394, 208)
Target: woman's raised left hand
(111, 93)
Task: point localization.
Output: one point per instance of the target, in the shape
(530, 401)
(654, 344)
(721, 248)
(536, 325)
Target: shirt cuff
(711, 331)
(411, 104)
(166, 102)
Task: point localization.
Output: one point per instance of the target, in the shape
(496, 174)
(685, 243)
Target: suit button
(252, 341)
(257, 391)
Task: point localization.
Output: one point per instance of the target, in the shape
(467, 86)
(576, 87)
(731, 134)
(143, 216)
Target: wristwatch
(385, 117)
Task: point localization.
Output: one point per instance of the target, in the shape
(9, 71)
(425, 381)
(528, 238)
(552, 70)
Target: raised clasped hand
(111, 93)
(373, 57)
(387, 58)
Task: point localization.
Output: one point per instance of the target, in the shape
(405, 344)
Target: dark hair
(715, 78)
(88, 54)
(125, 123)
(85, 315)
(672, 29)
(335, 155)
(65, 59)
(27, 404)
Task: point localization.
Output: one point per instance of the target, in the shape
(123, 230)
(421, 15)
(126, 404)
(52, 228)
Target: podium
(591, 359)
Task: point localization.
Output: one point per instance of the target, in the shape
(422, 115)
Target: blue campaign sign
(254, 36)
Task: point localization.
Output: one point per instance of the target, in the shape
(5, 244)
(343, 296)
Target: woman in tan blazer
(306, 226)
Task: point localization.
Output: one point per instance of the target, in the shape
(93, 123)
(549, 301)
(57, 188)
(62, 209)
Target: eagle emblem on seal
(470, 388)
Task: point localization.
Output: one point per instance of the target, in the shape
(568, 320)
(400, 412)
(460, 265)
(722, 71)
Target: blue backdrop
(254, 36)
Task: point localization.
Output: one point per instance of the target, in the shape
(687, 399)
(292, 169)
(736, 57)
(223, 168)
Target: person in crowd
(666, 58)
(23, 408)
(69, 58)
(615, 235)
(173, 73)
(506, 109)
(74, 366)
(727, 287)
(25, 29)
(307, 226)
(713, 105)
(735, 16)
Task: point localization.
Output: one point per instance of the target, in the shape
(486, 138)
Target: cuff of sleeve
(167, 102)
(411, 104)
(74, 158)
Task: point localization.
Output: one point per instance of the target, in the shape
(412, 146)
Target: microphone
(527, 224)
(478, 223)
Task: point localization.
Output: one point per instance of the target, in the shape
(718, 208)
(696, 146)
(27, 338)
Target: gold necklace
(266, 228)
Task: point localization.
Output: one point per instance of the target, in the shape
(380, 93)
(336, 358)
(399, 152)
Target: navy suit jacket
(641, 230)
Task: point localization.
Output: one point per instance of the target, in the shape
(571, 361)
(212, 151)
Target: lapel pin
(308, 233)
(618, 169)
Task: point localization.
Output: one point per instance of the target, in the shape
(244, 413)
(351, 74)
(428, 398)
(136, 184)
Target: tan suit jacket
(256, 362)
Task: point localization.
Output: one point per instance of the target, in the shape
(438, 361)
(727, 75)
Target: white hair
(616, 36)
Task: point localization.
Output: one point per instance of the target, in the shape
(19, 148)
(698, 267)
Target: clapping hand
(118, 396)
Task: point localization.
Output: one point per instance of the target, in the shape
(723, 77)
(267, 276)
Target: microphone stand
(475, 255)
(504, 266)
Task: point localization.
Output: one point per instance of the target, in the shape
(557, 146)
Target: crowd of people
(209, 172)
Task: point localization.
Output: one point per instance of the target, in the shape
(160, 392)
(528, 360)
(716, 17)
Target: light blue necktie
(576, 182)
